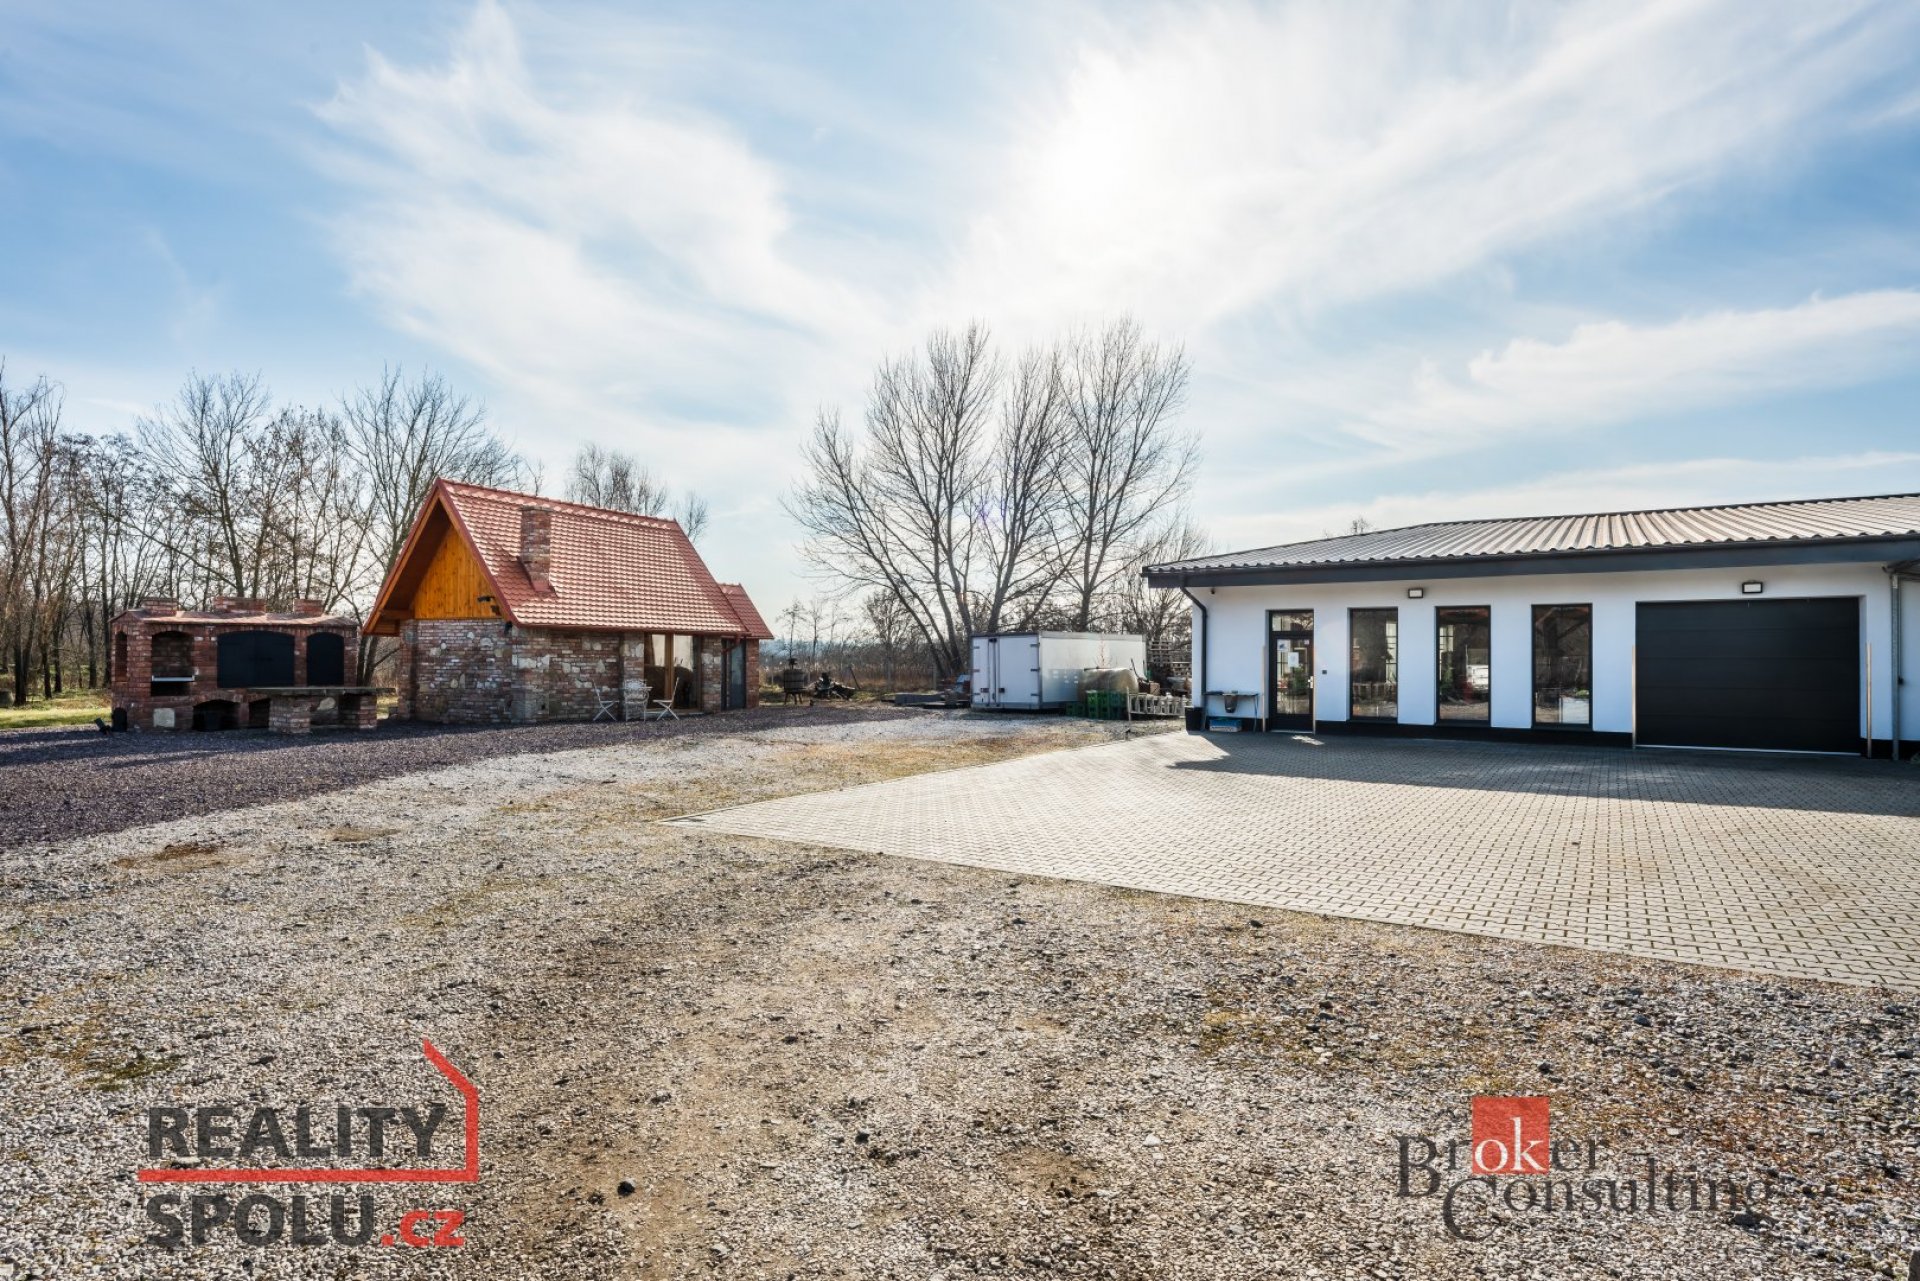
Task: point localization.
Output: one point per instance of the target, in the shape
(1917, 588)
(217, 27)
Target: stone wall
(562, 675)
(475, 671)
(456, 671)
(710, 655)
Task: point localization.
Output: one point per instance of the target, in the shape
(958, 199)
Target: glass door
(1466, 662)
(1290, 669)
(736, 675)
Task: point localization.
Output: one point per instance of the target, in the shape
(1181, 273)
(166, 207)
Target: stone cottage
(511, 607)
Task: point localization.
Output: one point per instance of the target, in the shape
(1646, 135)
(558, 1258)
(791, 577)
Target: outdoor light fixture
(1415, 593)
(1752, 587)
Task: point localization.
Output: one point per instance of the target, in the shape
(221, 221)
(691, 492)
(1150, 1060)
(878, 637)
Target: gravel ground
(796, 1062)
(107, 782)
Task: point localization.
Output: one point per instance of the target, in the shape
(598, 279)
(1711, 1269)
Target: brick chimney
(309, 607)
(536, 545)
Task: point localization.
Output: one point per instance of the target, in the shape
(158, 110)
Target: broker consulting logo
(359, 1146)
(1513, 1165)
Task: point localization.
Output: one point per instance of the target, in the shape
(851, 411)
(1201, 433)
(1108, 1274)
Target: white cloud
(595, 241)
(583, 214)
(1608, 371)
(1210, 161)
(1679, 483)
(606, 257)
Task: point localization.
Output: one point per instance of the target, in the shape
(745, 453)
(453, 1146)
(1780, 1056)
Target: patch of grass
(170, 853)
(76, 707)
(125, 1072)
(73, 1036)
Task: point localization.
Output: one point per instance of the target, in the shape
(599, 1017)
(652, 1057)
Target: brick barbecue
(237, 665)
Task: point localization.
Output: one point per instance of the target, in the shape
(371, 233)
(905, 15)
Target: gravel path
(710, 1056)
(73, 781)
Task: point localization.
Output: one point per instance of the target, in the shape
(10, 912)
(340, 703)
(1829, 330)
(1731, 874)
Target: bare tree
(794, 618)
(888, 623)
(121, 566)
(1162, 615)
(403, 435)
(692, 513)
(898, 510)
(218, 510)
(1126, 460)
(1021, 514)
(31, 471)
(978, 494)
(221, 492)
(602, 477)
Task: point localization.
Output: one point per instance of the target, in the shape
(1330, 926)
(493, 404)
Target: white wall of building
(1236, 634)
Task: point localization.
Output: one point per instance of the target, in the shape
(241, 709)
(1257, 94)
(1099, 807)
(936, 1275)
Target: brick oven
(238, 665)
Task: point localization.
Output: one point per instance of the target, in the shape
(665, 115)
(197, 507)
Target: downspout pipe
(1897, 574)
(1200, 644)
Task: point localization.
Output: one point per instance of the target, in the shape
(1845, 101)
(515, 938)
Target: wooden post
(666, 667)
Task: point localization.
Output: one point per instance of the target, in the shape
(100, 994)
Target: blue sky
(1428, 261)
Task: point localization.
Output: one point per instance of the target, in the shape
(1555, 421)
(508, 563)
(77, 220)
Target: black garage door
(1780, 674)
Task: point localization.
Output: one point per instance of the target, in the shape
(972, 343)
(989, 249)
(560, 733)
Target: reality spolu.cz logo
(1512, 1165)
(271, 1145)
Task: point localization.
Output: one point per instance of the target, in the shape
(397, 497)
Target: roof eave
(1598, 560)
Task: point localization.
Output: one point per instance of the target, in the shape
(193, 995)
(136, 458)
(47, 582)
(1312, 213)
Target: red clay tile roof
(743, 609)
(611, 570)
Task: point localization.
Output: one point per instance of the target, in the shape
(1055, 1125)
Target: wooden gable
(439, 575)
(453, 584)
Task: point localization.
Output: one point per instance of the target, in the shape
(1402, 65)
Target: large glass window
(1466, 662)
(1563, 665)
(1376, 664)
(678, 671)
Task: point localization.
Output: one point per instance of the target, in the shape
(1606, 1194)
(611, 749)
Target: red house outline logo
(468, 1173)
(1510, 1134)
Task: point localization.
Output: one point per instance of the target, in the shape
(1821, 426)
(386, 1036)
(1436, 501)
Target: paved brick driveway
(1789, 865)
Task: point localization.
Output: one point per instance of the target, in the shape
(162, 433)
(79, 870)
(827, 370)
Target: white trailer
(1040, 671)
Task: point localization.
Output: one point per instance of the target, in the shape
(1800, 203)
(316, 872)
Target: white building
(1770, 626)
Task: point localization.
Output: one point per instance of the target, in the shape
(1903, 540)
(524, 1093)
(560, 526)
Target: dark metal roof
(1811, 521)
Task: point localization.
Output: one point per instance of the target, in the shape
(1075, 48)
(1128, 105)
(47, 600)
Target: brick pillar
(710, 657)
(359, 711)
(206, 660)
(753, 673)
(405, 670)
(290, 716)
(633, 676)
(525, 662)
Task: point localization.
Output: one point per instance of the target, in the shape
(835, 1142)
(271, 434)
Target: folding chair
(609, 708)
(663, 707)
